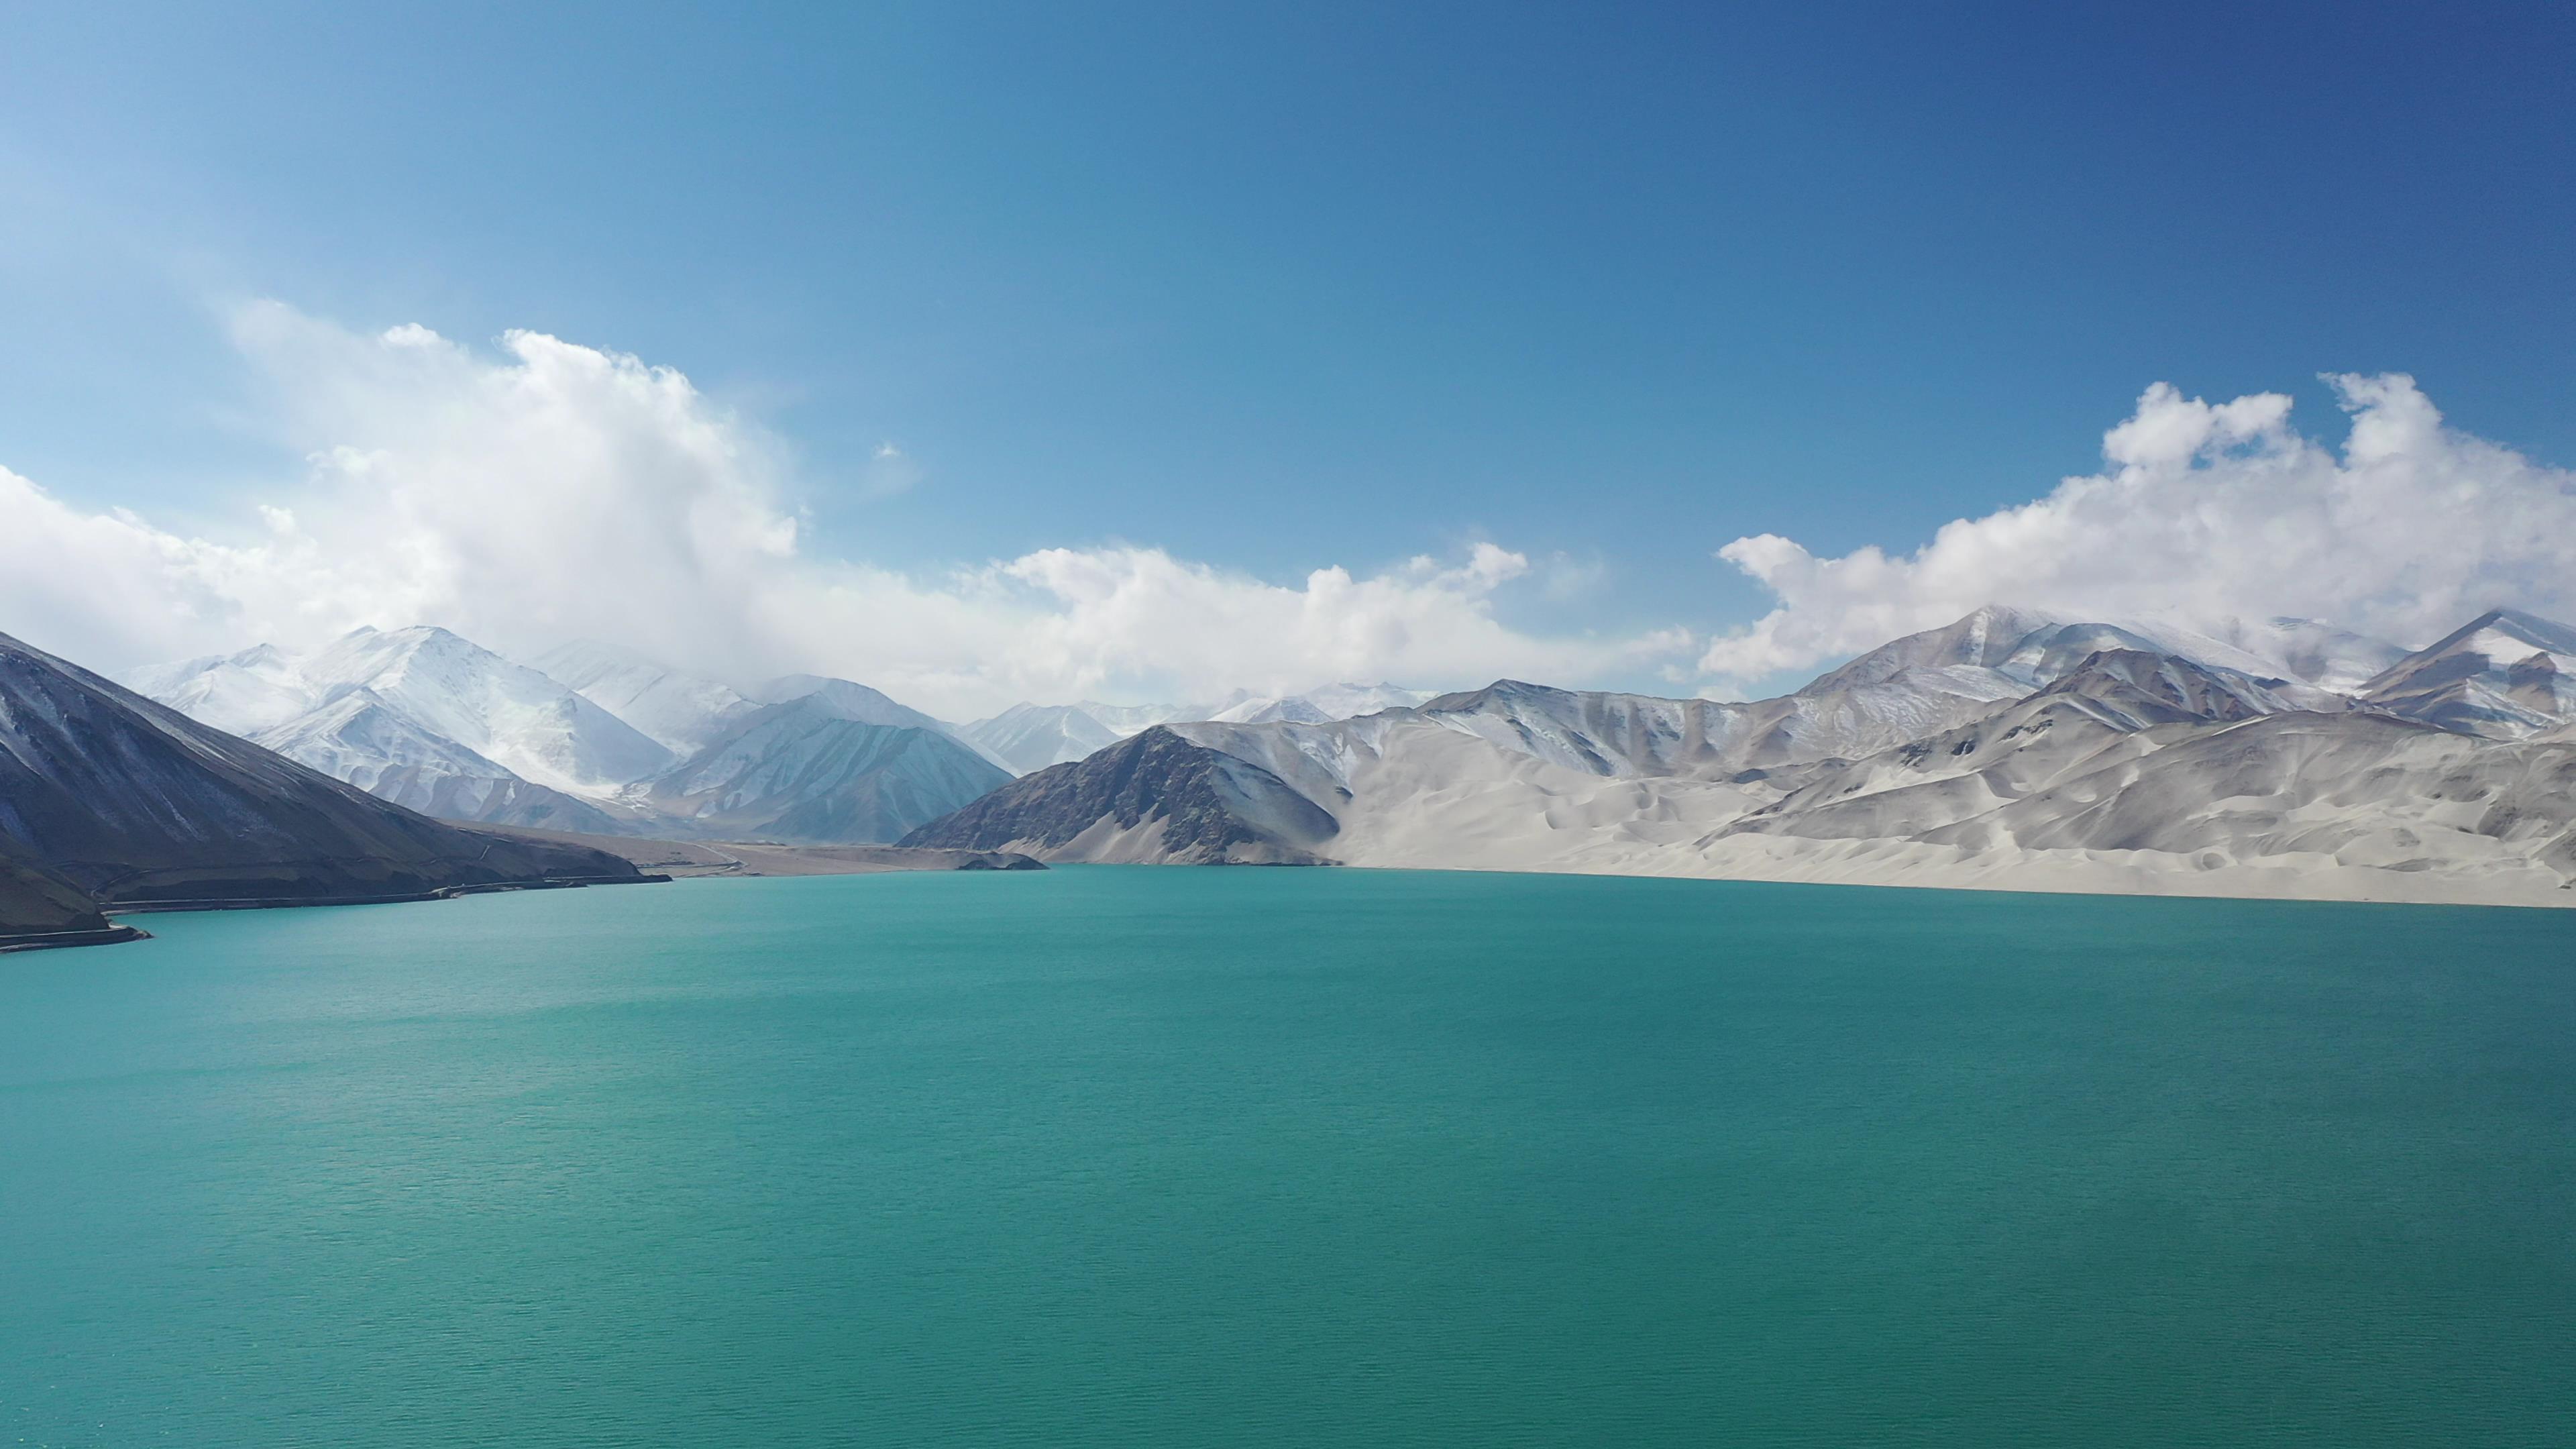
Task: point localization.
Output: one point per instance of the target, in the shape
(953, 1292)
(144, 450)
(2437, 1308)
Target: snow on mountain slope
(2003, 653)
(427, 719)
(240, 693)
(1128, 719)
(1974, 648)
(2504, 675)
(680, 712)
(1630, 734)
(1900, 692)
(1313, 706)
(357, 737)
(1349, 701)
(1030, 737)
(1604, 734)
(846, 699)
(868, 706)
(1027, 738)
(1267, 708)
(803, 772)
(512, 715)
(133, 801)
(2319, 653)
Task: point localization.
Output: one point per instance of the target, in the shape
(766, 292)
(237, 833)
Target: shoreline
(658, 862)
(2131, 875)
(67, 940)
(747, 859)
(443, 893)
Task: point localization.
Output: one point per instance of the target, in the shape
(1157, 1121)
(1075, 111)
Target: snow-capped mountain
(2004, 750)
(357, 737)
(240, 693)
(1127, 719)
(847, 700)
(1029, 737)
(447, 690)
(1999, 652)
(2505, 674)
(432, 721)
(427, 719)
(680, 712)
(132, 802)
(510, 714)
(2320, 653)
(1313, 706)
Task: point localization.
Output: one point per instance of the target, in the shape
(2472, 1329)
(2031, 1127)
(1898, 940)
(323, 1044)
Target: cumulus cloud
(558, 491)
(2214, 516)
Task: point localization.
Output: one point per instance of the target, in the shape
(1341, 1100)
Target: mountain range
(110, 800)
(592, 739)
(1029, 737)
(2007, 749)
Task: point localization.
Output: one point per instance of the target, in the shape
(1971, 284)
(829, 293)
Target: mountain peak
(1984, 638)
(2531, 629)
(2484, 678)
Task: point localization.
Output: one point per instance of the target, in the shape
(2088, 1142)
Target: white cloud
(890, 470)
(2208, 515)
(559, 491)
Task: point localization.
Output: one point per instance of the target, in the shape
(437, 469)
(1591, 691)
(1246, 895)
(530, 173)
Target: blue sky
(1277, 289)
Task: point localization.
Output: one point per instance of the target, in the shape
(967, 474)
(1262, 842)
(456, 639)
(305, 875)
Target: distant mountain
(358, 737)
(803, 772)
(133, 802)
(868, 706)
(2006, 749)
(847, 700)
(241, 694)
(424, 717)
(510, 714)
(1314, 706)
(2504, 675)
(2002, 653)
(1972, 654)
(2320, 653)
(432, 721)
(1030, 737)
(1127, 719)
(678, 711)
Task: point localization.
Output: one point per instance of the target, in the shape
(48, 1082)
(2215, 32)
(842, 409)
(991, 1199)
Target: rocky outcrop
(1155, 796)
(39, 909)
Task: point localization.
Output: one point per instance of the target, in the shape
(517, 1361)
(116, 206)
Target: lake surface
(1269, 1157)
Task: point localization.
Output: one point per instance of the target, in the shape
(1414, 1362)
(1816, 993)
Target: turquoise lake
(1274, 1157)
